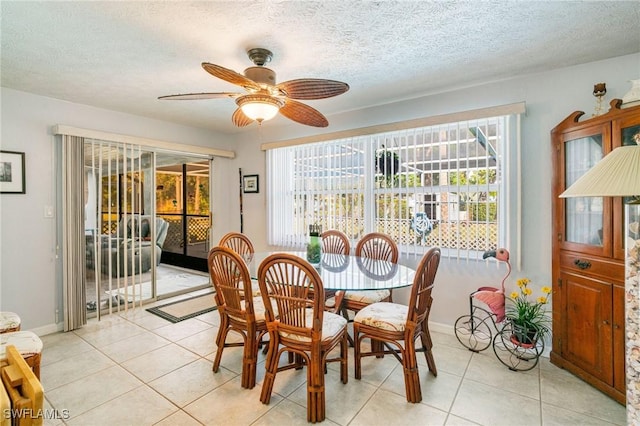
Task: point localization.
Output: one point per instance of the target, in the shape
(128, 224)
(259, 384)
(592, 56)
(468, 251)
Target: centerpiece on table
(314, 246)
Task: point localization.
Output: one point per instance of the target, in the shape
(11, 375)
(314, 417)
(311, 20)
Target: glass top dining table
(349, 273)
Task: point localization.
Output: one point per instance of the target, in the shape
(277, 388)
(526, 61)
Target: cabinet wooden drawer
(610, 270)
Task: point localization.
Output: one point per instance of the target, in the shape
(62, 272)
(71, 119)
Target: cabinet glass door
(584, 215)
(628, 132)
(587, 220)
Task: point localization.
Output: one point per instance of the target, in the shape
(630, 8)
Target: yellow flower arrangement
(527, 316)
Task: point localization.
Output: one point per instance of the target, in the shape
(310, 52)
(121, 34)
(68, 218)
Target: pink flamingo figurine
(494, 297)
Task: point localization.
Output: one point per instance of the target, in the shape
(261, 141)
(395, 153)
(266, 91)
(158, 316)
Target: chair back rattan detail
(420, 300)
(334, 241)
(379, 246)
(294, 286)
(237, 242)
(231, 281)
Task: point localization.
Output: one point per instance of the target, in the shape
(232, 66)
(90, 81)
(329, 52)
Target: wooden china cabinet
(588, 253)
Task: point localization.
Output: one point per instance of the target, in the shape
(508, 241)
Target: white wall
(27, 252)
(550, 97)
(27, 238)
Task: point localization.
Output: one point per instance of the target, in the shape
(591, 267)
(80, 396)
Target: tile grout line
(455, 396)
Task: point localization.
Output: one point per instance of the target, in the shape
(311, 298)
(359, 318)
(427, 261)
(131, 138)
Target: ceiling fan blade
(230, 76)
(239, 119)
(303, 114)
(312, 88)
(196, 96)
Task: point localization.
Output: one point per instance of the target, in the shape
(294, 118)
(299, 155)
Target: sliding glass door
(182, 191)
(183, 200)
(131, 224)
(120, 229)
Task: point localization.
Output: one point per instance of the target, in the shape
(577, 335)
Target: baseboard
(48, 329)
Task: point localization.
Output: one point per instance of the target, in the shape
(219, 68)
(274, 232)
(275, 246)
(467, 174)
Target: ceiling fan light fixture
(259, 107)
(264, 98)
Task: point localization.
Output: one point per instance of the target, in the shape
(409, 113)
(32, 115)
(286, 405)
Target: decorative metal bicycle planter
(487, 325)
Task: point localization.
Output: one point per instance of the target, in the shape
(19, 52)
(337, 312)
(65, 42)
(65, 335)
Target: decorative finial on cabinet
(599, 90)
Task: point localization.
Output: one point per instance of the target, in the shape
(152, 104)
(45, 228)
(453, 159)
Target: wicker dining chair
(400, 326)
(336, 242)
(242, 245)
(21, 393)
(27, 343)
(237, 242)
(298, 324)
(372, 246)
(231, 279)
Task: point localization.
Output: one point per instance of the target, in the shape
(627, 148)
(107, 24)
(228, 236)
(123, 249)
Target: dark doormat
(185, 309)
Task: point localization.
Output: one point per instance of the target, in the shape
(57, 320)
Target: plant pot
(314, 246)
(387, 163)
(314, 251)
(524, 336)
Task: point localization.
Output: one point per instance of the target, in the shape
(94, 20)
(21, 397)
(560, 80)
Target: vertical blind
(99, 195)
(115, 225)
(72, 239)
(440, 185)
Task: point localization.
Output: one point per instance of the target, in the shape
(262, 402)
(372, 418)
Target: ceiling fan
(264, 98)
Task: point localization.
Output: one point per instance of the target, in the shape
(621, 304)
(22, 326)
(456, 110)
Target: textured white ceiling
(122, 55)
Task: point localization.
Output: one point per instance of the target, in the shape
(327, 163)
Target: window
(441, 185)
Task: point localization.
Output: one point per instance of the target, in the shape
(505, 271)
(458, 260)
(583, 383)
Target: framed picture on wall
(12, 172)
(250, 184)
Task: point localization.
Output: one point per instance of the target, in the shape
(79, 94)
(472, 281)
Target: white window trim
(495, 111)
(512, 160)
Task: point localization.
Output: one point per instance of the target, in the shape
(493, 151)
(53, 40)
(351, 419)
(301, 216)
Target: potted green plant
(387, 162)
(528, 318)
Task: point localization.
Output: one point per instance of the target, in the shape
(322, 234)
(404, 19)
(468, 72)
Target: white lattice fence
(464, 236)
(445, 234)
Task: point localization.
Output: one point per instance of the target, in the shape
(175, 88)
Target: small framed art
(250, 184)
(12, 172)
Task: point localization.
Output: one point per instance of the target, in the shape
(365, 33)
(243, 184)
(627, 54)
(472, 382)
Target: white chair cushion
(26, 342)
(367, 296)
(332, 324)
(255, 289)
(9, 321)
(384, 315)
(330, 302)
(258, 309)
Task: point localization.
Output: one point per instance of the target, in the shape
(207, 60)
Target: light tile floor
(135, 368)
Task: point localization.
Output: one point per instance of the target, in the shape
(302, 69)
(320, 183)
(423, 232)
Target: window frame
(508, 188)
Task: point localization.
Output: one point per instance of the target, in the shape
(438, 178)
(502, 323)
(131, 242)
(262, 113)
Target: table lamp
(618, 175)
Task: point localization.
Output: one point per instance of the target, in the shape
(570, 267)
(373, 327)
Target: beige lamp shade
(616, 175)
